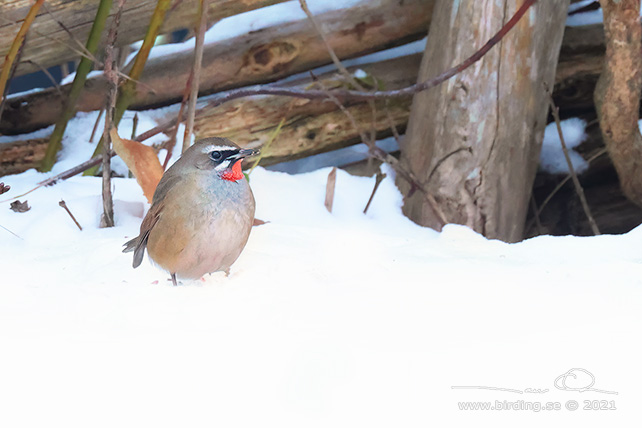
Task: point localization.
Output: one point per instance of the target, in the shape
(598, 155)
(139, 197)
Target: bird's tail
(137, 246)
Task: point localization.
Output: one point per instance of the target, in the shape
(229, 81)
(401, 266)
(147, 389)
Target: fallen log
(579, 66)
(315, 127)
(19, 156)
(311, 126)
(42, 47)
(259, 57)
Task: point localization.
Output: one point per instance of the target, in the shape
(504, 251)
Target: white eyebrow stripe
(223, 165)
(213, 147)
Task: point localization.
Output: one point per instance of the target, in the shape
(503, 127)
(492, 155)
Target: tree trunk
(474, 141)
(617, 96)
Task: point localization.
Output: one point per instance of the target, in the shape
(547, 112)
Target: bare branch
(338, 95)
(576, 181)
(196, 72)
(378, 179)
(63, 204)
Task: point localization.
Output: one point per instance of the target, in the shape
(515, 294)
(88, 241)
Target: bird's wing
(138, 244)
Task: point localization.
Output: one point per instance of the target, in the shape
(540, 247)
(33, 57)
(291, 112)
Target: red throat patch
(235, 173)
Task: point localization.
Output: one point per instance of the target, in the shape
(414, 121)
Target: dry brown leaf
(19, 207)
(4, 188)
(141, 160)
(329, 189)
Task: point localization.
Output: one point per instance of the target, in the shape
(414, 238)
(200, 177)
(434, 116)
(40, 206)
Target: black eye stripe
(221, 155)
(227, 153)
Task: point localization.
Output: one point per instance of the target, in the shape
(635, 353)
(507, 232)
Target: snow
(24, 93)
(552, 158)
(339, 319)
(71, 76)
(585, 18)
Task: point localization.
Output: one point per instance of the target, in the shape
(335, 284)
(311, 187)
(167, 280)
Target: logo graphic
(575, 379)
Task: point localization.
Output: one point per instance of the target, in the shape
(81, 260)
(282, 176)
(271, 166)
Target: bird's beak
(244, 153)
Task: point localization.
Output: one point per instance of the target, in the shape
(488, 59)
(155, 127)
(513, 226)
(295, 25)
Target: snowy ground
(342, 319)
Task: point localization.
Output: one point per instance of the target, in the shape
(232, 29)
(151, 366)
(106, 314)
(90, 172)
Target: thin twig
(384, 156)
(134, 125)
(333, 55)
(446, 157)
(46, 73)
(11, 232)
(267, 144)
(111, 77)
(374, 151)
(196, 73)
(93, 131)
(318, 94)
(63, 204)
(378, 179)
(73, 38)
(345, 95)
(535, 209)
(391, 122)
(171, 143)
(64, 69)
(560, 185)
(576, 181)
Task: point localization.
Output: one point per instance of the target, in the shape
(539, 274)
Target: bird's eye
(216, 155)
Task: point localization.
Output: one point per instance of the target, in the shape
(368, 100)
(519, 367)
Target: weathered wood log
(311, 126)
(259, 57)
(266, 116)
(578, 44)
(474, 141)
(577, 73)
(43, 48)
(20, 156)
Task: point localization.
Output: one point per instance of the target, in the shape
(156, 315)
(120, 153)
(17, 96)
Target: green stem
(55, 140)
(128, 89)
(267, 145)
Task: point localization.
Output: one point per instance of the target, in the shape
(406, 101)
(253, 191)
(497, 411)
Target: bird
(201, 213)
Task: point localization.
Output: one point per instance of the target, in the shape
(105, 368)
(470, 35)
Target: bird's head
(219, 155)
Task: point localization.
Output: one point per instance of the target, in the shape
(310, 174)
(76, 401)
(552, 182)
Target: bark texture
(311, 126)
(474, 141)
(42, 47)
(617, 95)
(258, 57)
